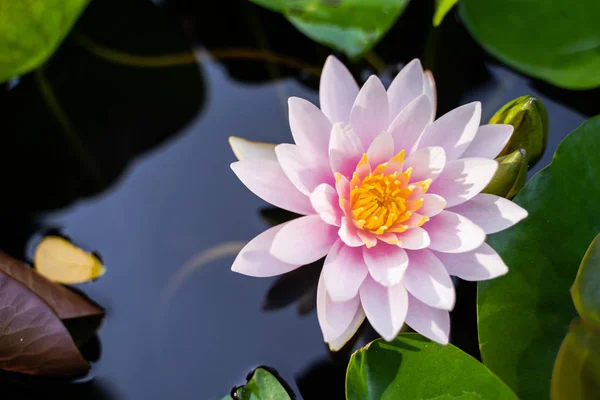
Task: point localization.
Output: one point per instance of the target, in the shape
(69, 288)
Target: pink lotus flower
(389, 196)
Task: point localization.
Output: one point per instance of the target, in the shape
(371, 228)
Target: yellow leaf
(59, 260)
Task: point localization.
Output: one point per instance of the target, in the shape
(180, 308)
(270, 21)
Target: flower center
(382, 200)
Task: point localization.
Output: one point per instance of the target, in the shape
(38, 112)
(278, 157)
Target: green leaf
(351, 26)
(586, 289)
(524, 315)
(558, 41)
(576, 374)
(31, 30)
(262, 385)
(412, 367)
(442, 7)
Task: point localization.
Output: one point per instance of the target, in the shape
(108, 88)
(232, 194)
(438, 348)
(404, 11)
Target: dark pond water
(120, 143)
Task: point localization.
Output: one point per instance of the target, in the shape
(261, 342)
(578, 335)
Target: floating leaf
(557, 41)
(528, 115)
(65, 303)
(510, 176)
(61, 261)
(442, 7)
(524, 315)
(586, 288)
(576, 374)
(31, 30)
(33, 340)
(351, 26)
(262, 385)
(412, 367)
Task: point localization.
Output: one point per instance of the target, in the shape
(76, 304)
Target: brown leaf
(33, 340)
(65, 303)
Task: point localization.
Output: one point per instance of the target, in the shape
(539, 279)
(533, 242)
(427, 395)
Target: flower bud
(530, 119)
(510, 177)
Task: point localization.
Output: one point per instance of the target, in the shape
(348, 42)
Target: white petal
(302, 171)
(478, 265)
(369, 115)
(334, 317)
(453, 233)
(381, 150)
(406, 86)
(492, 213)
(337, 91)
(338, 343)
(430, 322)
(408, 127)
(324, 200)
(386, 263)
(345, 149)
(463, 179)
(454, 131)
(344, 271)
(427, 280)
(247, 149)
(304, 240)
(310, 127)
(414, 238)
(429, 88)
(256, 260)
(427, 163)
(489, 141)
(433, 204)
(266, 179)
(385, 307)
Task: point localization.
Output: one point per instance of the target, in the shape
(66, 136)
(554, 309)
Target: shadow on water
(122, 135)
(79, 121)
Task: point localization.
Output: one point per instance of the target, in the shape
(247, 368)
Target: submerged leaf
(412, 367)
(33, 340)
(59, 260)
(65, 303)
(576, 374)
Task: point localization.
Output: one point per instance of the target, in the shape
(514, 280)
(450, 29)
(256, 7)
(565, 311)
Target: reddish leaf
(65, 303)
(33, 340)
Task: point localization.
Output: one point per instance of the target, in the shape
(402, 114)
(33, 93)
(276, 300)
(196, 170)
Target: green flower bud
(530, 119)
(510, 177)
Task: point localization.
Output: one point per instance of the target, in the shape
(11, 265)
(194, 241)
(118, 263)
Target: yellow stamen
(379, 201)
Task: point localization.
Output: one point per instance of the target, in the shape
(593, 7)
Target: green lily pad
(576, 373)
(523, 316)
(350, 26)
(31, 30)
(412, 367)
(442, 7)
(586, 289)
(262, 385)
(558, 41)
